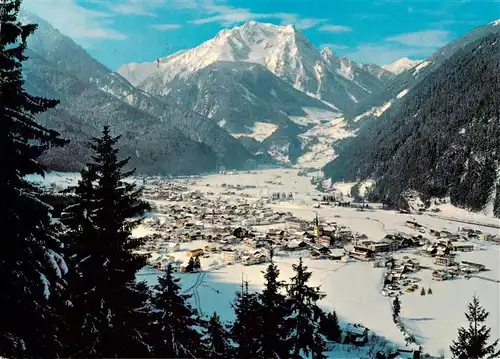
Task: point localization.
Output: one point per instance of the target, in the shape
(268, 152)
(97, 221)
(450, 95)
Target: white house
(249, 222)
(297, 224)
(173, 247)
(229, 255)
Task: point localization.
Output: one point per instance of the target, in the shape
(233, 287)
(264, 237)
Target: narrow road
(195, 285)
(490, 225)
(197, 295)
(484, 278)
(194, 290)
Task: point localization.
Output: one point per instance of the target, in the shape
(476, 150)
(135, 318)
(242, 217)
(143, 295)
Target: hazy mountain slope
(443, 138)
(379, 72)
(410, 78)
(401, 65)
(366, 77)
(283, 50)
(154, 145)
(69, 58)
(240, 94)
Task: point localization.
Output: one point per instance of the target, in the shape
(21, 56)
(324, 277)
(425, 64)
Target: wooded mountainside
(443, 139)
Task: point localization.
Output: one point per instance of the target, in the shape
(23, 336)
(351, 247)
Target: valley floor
(354, 288)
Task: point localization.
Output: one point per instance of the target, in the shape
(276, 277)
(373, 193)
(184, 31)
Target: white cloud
(228, 15)
(135, 7)
(428, 38)
(74, 20)
(166, 27)
(334, 46)
(382, 54)
(335, 28)
(415, 45)
(307, 23)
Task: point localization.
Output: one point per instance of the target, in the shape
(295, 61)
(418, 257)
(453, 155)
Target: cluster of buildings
(239, 230)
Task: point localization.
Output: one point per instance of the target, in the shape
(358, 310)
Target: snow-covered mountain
(379, 72)
(401, 65)
(160, 136)
(283, 50)
(236, 95)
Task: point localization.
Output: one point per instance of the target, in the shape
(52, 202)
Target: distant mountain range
(159, 136)
(283, 50)
(265, 84)
(401, 65)
(435, 129)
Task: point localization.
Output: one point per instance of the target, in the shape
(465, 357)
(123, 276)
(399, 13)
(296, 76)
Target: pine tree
(31, 267)
(246, 329)
(191, 265)
(216, 342)
(110, 311)
(396, 308)
(273, 310)
(175, 320)
(472, 342)
(330, 328)
(197, 263)
(422, 291)
(429, 291)
(302, 323)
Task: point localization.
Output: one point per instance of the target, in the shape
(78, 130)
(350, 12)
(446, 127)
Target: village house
(210, 248)
(355, 334)
(337, 254)
(412, 264)
(462, 246)
(413, 225)
(173, 247)
(319, 248)
(296, 224)
(440, 275)
(247, 222)
(471, 267)
(444, 261)
(295, 245)
(229, 255)
(405, 354)
(400, 241)
(361, 253)
(255, 258)
(428, 250)
(195, 252)
(326, 241)
(228, 239)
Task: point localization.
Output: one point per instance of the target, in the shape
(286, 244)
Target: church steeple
(316, 226)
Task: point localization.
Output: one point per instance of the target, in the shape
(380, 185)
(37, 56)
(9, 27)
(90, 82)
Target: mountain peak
(401, 65)
(327, 52)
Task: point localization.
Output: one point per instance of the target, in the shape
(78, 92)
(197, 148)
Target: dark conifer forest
(442, 140)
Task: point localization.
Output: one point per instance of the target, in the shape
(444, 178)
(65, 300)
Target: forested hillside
(443, 139)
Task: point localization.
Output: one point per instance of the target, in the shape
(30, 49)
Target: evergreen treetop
(246, 329)
(176, 336)
(303, 322)
(273, 310)
(216, 342)
(102, 287)
(472, 342)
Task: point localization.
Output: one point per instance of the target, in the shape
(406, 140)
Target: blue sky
(121, 31)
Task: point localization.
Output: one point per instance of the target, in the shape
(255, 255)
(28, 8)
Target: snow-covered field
(353, 289)
(259, 131)
(322, 135)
